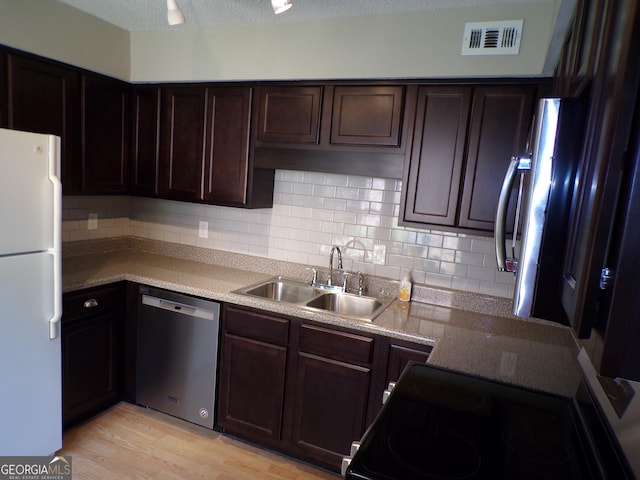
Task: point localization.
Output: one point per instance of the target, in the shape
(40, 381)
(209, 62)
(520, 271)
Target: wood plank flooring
(132, 442)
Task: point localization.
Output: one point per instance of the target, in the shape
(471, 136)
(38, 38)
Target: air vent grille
(492, 38)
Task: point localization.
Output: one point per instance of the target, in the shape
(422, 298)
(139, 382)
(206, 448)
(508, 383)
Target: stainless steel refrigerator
(30, 294)
(542, 185)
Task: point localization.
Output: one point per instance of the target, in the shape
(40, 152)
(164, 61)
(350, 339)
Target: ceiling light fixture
(280, 6)
(174, 15)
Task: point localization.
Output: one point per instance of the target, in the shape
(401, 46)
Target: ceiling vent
(492, 38)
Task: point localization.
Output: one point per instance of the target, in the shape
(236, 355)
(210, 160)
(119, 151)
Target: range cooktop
(440, 424)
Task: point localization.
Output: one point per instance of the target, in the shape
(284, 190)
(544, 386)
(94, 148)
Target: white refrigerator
(30, 294)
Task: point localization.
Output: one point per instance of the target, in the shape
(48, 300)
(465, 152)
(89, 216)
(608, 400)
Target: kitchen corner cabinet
(464, 138)
(105, 135)
(304, 388)
(92, 351)
(45, 98)
(331, 128)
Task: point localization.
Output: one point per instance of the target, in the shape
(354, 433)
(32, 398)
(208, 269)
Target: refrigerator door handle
(54, 321)
(517, 165)
(56, 250)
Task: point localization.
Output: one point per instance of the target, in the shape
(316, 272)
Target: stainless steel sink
(282, 290)
(347, 304)
(304, 296)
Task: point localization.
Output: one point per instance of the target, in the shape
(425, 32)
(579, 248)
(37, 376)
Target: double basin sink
(306, 296)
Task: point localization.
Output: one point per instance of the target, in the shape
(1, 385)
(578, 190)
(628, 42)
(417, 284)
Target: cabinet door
(105, 135)
(400, 356)
(252, 377)
(333, 377)
(92, 361)
(45, 98)
(226, 167)
(252, 374)
(89, 366)
(289, 114)
(602, 177)
(182, 145)
(145, 140)
(4, 91)
(500, 121)
(432, 177)
(367, 115)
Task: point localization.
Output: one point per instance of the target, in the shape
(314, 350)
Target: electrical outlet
(379, 254)
(92, 221)
(204, 230)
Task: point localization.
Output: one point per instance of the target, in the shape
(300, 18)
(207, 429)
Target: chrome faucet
(335, 248)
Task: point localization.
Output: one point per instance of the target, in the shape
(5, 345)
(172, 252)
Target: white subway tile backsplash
(311, 212)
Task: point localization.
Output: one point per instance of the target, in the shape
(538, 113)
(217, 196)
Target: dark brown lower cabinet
(92, 360)
(252, 369)
(332, 383)
(303, 388)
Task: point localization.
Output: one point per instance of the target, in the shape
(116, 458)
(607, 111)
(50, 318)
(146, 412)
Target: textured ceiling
(151, 15)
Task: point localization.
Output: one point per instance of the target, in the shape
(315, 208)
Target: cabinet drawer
(254, 325)
(91, 302)
(337, 345)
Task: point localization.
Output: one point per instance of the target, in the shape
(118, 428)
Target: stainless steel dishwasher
(177, 354)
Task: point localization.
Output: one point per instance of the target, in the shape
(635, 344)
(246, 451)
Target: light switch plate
(379, 254)
(92, 221)
(204, 230)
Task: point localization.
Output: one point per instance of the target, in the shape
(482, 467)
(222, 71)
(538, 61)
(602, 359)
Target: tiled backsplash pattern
(311, 212)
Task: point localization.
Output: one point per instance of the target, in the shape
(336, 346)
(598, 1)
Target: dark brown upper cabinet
(337, 128)
(227, 162)
(367, 115)
(289, 114)
(4, 91)
(464, 138)
(182, 144)
(105, 135)
(45, 98)
(204, 148)
(582, 46)
(435, 165)
(500, 121)
(145, 140)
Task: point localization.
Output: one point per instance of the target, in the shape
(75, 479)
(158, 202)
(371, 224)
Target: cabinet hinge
(607, 277)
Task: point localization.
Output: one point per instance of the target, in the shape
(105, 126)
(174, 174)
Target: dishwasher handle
(177, 307)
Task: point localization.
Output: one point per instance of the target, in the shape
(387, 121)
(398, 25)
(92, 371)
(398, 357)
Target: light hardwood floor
(132, 442)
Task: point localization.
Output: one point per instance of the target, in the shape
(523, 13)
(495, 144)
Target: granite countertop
(530, 353)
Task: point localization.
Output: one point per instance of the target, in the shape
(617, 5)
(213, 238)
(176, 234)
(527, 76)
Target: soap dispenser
(404, 293)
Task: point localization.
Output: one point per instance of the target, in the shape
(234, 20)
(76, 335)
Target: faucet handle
(345, 280)
(314, 279)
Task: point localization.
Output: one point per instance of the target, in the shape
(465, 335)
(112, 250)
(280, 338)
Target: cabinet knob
(92, 302)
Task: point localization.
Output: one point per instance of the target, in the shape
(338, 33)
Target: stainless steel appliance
(177, 354)
(544, 197)
(442, 424)
(30, 294)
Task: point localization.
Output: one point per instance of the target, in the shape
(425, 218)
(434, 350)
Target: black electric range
(442, 424)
